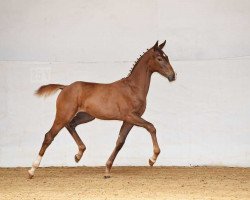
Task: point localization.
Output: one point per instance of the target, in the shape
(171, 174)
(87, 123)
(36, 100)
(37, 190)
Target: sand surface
(126, 183)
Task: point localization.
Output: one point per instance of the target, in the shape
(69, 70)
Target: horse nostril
(175, 76)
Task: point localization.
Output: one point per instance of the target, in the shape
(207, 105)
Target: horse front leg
(136, 120)
(80, 118)
(124, 131)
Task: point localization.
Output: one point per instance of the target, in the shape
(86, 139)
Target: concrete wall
(201, 119)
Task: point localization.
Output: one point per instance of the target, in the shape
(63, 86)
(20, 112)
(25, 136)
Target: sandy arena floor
(126, 183)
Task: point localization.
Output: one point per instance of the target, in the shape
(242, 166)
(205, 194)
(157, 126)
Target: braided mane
(135, 64)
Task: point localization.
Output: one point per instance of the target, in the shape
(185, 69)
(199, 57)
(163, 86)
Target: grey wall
(201, 119)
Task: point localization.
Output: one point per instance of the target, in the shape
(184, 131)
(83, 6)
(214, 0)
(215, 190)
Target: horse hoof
(30, 175)
(77, 159)
(106, 176)
(151, 163)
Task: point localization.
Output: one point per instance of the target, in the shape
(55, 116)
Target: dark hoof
(106, 176)
(77, 159)
(151, 163)
(30, 176)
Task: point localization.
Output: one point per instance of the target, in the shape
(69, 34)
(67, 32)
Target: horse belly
(104, 107)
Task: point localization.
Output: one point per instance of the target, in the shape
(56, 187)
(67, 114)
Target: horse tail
(46, 90)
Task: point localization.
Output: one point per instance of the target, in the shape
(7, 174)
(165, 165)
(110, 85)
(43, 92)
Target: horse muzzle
(172, 77)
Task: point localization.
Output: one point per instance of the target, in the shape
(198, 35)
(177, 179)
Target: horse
(123, 100)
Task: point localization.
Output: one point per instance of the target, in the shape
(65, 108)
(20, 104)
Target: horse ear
(162, 45)
(156, 45)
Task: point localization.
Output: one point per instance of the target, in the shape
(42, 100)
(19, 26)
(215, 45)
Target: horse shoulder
(131, 98)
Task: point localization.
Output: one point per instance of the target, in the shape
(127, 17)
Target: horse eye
(159, 59)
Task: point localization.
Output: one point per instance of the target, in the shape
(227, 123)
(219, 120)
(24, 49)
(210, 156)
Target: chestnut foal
(124, 100)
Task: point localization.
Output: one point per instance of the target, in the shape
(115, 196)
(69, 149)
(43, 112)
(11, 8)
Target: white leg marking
(79, 155)
(153, 159)
(35, 165)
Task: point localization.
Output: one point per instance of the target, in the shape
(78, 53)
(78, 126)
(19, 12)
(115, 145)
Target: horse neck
(140, 77)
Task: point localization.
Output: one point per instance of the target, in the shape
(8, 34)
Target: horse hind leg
(48, 138)
(62, 118)
(80, 118)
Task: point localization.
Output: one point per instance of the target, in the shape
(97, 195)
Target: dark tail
(50, 89)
